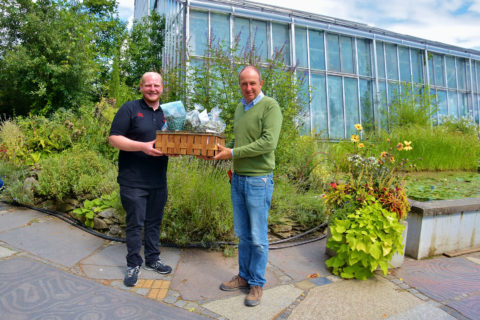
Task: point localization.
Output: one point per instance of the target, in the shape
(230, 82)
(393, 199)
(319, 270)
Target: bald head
(250, 68)
(151, 74)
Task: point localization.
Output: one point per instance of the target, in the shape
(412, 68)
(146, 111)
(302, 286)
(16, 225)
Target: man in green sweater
(257, 124)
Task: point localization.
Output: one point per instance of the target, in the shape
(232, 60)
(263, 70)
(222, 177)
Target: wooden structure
(188, 143)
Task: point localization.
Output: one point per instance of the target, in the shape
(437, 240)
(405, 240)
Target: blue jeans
(251, 198)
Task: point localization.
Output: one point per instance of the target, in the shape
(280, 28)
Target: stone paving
(52, 270)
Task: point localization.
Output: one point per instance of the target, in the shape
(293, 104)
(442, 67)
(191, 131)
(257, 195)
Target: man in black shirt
(142, 175)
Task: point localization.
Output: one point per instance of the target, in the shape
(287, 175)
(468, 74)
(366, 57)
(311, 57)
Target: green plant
(363, 241)
(77, 173)
(411, 105)
(92, 207)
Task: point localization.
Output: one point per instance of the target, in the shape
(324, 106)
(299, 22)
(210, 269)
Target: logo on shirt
(140, 115)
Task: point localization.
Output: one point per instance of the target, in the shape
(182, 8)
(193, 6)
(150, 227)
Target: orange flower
(383, 154)
(355, 138)
(361, 145)
(400, 146)
(388, 140)
(392, 159)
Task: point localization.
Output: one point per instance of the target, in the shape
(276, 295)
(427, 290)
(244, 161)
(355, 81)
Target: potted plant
(367, 210)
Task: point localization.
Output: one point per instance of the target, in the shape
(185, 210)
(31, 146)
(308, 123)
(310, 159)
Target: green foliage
(199, 206)
(92, 207)
(76, 173)
(364, 241)
(304, 208)
(12, 142)
(52, 52)
(16, 186)
(144, 47)
(426, 186)
(411, 105)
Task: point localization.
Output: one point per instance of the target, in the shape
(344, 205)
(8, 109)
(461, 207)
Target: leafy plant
(92, 207)
(363, 241)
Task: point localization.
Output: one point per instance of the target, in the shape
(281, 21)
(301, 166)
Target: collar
(253, 102)
(146, 106)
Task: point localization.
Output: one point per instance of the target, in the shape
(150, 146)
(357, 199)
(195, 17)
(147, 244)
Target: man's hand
(150, 150)
(223, 153)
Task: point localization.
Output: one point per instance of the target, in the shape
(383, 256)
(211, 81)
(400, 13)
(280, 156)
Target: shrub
(78, 173)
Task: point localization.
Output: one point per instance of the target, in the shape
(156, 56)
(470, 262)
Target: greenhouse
(353, 69)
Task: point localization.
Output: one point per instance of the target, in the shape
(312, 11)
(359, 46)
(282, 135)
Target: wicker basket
(188, 143)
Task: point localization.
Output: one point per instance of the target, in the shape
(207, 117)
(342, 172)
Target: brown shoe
(254, 297)
(236, 283)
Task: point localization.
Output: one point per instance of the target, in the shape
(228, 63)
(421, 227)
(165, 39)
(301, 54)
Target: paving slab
(109, 263)
(427, 311)
(274, 301)
(441, 278)
(200, 273)
(468, 306)
(6, 252)
(56, 241)
(300, 261)
(19, 218)
(33, 290)
(375, 298)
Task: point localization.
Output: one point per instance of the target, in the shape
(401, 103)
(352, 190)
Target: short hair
(250, 67)
(150, 73)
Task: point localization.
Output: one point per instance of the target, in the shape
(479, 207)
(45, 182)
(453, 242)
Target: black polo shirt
(137, 121)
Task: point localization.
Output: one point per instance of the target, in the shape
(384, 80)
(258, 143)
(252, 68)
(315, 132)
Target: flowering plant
(366, 209)
(370, 178)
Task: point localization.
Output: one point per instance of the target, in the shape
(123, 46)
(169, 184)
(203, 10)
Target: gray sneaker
(131, 277)
(158, 266)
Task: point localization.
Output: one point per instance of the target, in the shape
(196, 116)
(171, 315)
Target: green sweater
(256, 133)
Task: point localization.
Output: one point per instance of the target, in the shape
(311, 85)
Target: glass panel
(392, 61)
(442, 103)
(461, 74)
(478, 76)
(434, 116)
(220, 24)
(319, 104)
(347, 54)
(476, 98)
(451, 80)
(259, 34)
(351, 105)
(404, 56)
(430, 69)
(317, 50)
(380, 60)
(333, 52)
(463, 106)
(303, 97)
(335, 104)
(382, 105)
(393, 91)
(241, 34)
(417, 65)
(198, 32)
(281, 40)
(366, 104)
(301, 46)
(364, 59)
(452, 104)
(438, 65)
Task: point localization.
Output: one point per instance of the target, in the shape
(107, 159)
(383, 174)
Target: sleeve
(121, 122)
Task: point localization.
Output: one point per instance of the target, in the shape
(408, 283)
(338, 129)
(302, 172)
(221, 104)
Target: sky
(455, 22)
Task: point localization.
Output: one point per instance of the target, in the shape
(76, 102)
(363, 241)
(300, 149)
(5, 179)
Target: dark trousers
(144, 208)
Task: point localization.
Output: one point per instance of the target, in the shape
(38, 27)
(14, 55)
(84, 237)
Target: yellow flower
(383, 154)
(359, 127)
(400, 146)
(408, 146)
(355, 138)
(361, 145)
